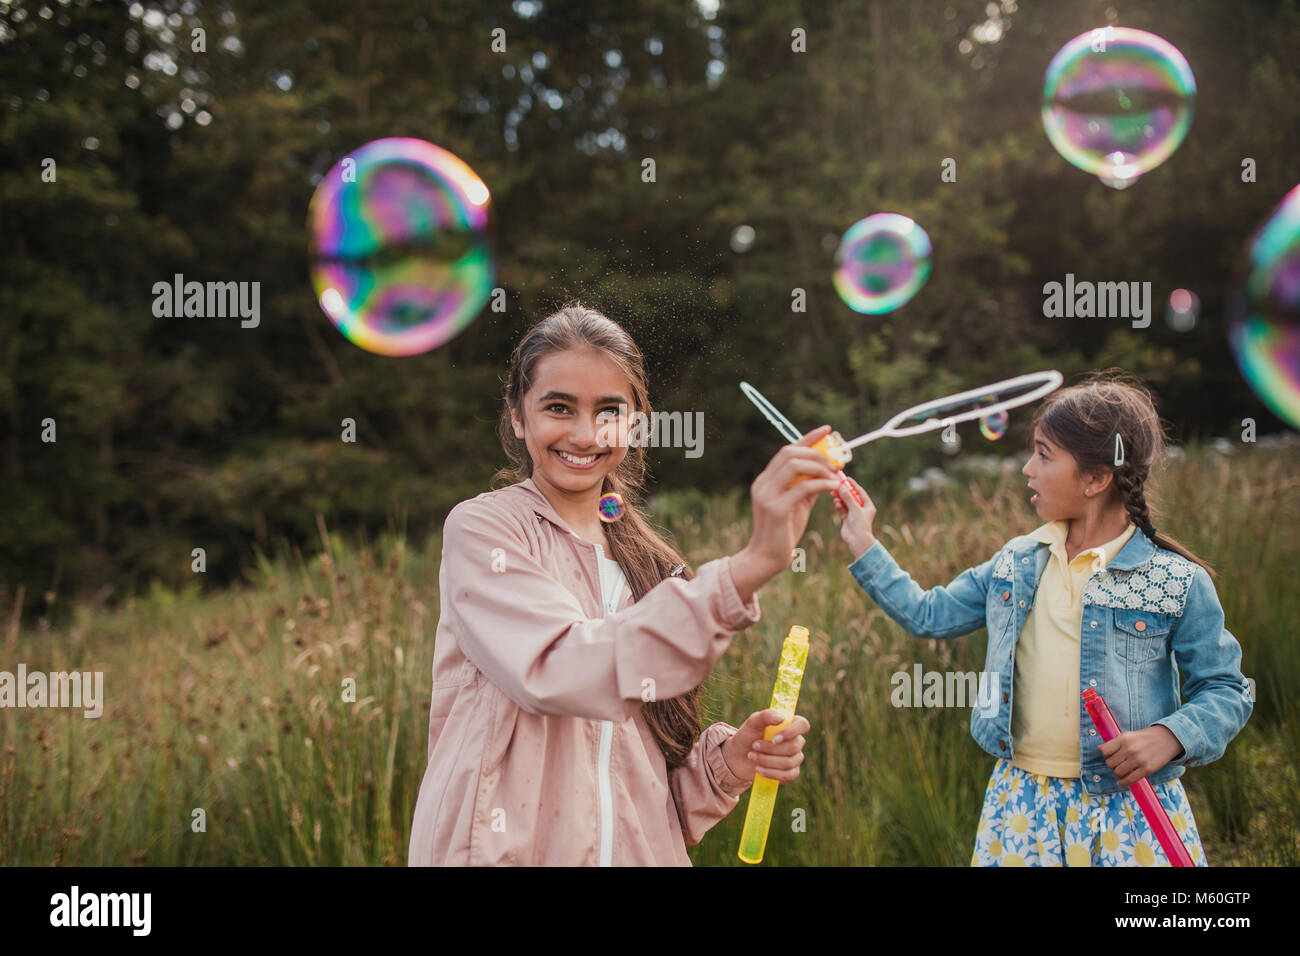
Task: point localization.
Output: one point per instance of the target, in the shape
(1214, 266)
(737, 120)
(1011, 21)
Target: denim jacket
(1149, 615)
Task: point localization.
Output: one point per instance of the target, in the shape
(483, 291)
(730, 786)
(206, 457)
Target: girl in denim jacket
(1096, 597)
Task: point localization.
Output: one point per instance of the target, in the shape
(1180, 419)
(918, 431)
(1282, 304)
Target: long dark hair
(639, 548)
(1084, 419)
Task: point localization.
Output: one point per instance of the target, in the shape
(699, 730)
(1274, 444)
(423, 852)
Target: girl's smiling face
(1055, 479)
(572, 411)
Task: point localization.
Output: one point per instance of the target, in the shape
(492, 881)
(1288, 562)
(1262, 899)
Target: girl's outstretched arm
(940, 612)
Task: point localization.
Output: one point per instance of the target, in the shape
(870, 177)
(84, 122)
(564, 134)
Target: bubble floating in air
(400, 256)
(1117, 102)
(1182, 310)
(882, 261)
(742, 238)
(995, 425)
(1265, 336)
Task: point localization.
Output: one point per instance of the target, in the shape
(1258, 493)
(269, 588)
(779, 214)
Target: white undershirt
(612, 581)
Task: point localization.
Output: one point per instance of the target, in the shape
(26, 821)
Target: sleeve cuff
(736, 614)
(1184, 733)
(869, 563)
(715, 736)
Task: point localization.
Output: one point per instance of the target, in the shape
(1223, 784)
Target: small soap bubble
(742, 238)
(950, 447)
(611, 507)
(1182, 310)
(1117, 102)
(882, 261)
(994, 426)
(400, 256)
(1265, 335)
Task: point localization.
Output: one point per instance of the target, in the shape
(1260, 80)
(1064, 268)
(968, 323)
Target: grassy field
(230, 703)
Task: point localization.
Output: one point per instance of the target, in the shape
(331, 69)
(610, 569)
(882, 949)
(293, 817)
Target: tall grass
(228, 710)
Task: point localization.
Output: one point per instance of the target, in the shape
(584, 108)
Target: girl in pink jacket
(564, 718)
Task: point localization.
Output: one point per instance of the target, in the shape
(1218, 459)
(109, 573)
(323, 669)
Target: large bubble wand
(964, 406)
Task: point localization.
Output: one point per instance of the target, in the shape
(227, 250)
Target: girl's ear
(1101, 480)
(516, 424)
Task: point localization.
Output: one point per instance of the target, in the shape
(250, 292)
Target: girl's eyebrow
(1046, 447)
(566, 397)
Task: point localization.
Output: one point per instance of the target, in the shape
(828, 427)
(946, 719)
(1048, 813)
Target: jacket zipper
(606, 744)
(606, 796)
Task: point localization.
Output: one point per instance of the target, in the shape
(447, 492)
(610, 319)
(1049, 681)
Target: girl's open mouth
(580, 462)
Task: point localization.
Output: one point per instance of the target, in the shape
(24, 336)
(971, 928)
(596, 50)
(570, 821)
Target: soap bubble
(1265, 337)
(883, 260)
(1117, 102)
(611, 507)
(400, 257)
(1182, 309)
(950, 447)
(742, 238)
(994, 426)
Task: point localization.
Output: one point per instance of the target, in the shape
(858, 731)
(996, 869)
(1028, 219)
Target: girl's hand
(855, 519)
(1140, 753)
(781, 508)
(777, 759)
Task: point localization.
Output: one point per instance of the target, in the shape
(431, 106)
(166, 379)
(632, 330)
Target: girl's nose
(583, 434)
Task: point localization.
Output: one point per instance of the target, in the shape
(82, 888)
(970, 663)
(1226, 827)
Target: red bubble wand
(1142, 791)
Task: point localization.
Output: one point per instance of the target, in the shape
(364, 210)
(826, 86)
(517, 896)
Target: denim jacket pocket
(1141, 636)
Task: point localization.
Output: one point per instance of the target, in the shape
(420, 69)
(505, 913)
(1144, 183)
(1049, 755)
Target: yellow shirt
(1045, 705)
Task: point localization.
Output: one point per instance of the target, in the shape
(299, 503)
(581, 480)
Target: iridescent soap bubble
(1117, 102)
(611, 507)
(1265, 337)
(994, 426)
(742, 238)
(882, 261)
(1182, 309)
(400, 256)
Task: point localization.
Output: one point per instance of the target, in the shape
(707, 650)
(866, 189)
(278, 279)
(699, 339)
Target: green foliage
(183, 433)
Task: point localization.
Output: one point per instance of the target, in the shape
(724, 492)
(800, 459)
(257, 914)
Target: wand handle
(831, 447)
(785, 695)
(1158, 820)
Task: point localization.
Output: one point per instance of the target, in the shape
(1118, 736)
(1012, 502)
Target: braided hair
(1109, 423)
(1130, 483)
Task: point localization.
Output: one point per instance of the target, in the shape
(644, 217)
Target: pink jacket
(538, 751)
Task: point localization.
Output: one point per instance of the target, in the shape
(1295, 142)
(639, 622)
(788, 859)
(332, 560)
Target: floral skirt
(1033, 820)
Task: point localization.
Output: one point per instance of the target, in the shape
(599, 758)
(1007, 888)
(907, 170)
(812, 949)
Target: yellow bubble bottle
(785, 695)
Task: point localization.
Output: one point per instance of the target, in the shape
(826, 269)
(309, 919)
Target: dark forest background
(183, 433)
